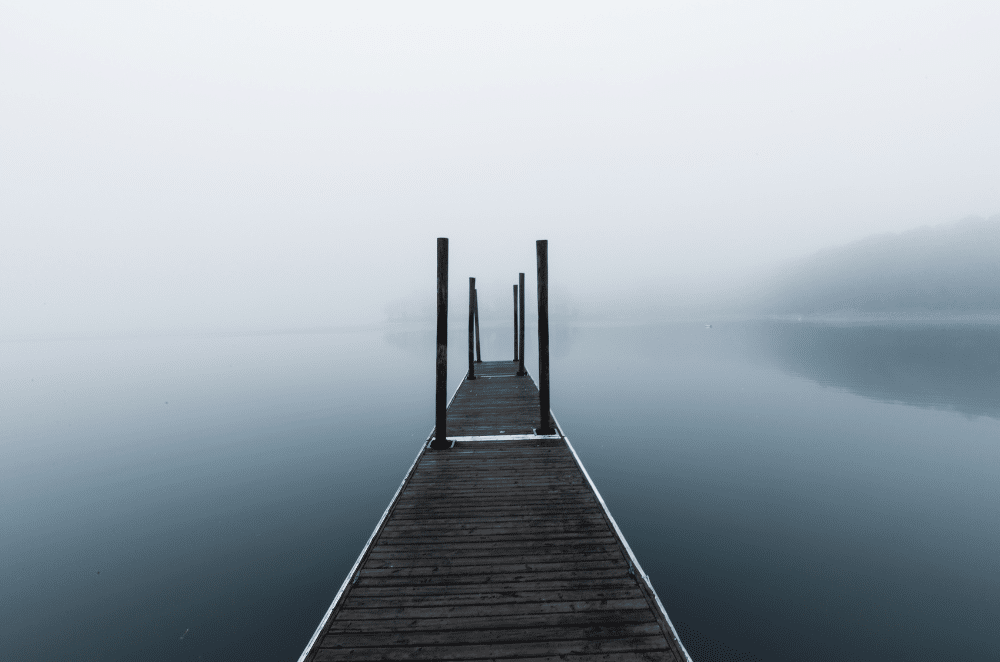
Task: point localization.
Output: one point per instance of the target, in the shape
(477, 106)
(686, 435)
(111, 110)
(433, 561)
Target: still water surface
(795, 491)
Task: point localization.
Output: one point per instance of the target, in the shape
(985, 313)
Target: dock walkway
(499, 547)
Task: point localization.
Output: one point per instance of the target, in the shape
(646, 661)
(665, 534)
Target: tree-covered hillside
(953, 267)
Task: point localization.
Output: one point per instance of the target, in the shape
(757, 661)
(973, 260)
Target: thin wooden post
(472, 327)
(479, 351)
(515, 322)
(441, 382)
(521, 372)
(542, 255)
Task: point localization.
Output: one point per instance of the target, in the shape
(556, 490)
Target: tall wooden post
(475, 300)
(521, 372)
(542, 255)
(515, 322)
(441, 382)
(472, 328)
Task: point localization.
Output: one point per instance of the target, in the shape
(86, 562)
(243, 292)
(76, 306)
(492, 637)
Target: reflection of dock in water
(497, 543)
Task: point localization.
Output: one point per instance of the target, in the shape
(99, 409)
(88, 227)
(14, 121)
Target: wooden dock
(499, 547)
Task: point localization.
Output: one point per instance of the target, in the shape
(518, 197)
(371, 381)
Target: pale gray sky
(168, 165)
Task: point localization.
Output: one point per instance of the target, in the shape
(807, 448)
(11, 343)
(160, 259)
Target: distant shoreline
(860, 317)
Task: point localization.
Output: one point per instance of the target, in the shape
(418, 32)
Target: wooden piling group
(497, 545)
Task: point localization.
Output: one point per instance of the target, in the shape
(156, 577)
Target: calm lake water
(795, 491)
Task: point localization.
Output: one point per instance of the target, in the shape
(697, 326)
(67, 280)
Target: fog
(218, 166)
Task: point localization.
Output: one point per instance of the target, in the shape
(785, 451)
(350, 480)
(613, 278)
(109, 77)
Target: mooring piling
(475, 303)
(441, 377)
(515, 322)
(542, 255)
(520, 336)
(472, 328)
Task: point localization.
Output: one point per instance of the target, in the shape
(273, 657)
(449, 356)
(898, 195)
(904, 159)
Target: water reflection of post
(472, 328)
(542, 256)
(441, 381)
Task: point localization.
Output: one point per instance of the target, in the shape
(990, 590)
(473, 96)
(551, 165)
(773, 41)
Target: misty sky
(213, 165)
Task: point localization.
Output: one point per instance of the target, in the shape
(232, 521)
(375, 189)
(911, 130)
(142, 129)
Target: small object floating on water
(708, 326)
(185, 634)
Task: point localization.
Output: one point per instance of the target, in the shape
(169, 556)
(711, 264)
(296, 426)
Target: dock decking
(499, 547)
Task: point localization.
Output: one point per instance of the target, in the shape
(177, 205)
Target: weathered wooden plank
(508, 495)
(497, 537)
(576, 584)
(424, 612)
(493, 636)
(552, 471)
(495, 650)
(501, 544)
(491, 621)
(505, 543)
(479, 470)
(616, 656)
(491, 534)
(496, 482)
(480, 523)
(487, 510)
(456, 623)
(576, 499)
(513, 494)
(546, 500)
(462, 477)
(491, 578)
(487, 451)
(492, 514)
(527, 486)
(513, 497)
(449, 523)
(392, 560)
(520, 601)
(491, 566)
(491, 569)
(588, 520)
